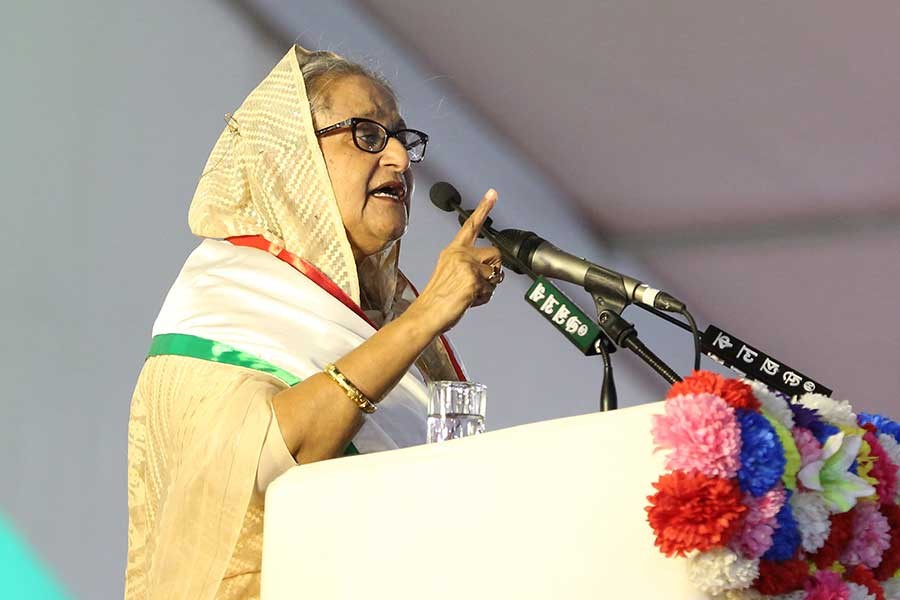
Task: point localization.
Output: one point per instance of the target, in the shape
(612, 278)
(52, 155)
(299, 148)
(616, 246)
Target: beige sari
(197, 428)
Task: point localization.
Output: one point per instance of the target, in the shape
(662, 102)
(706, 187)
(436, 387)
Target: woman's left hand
(465, 275)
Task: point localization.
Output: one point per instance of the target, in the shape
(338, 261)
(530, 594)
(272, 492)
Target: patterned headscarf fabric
(266, 176)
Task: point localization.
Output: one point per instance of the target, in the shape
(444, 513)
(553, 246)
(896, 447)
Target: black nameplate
(755, 364)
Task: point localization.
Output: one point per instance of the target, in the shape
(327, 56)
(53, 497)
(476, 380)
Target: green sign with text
(564, 314)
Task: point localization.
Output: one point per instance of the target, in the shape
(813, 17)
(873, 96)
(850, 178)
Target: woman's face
(373, 220)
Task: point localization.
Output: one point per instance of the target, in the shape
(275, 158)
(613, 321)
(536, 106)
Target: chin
(393, 232)
(392, 240)
(385, 241)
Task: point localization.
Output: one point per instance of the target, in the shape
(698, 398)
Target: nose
(395, 156)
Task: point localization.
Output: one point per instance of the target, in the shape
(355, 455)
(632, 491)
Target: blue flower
(786, 538)
(810, 418)
(883, 424)
(804, 416)
(823, 431)
(762, 457)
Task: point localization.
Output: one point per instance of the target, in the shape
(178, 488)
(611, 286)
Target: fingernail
(491, 194)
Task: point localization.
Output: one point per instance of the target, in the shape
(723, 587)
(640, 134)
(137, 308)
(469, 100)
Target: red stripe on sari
(322, 280)
(306, 268)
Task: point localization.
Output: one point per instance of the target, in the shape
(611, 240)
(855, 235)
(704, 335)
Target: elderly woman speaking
(290, 336)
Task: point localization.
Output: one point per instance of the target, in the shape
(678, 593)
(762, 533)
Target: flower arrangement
(775, 498)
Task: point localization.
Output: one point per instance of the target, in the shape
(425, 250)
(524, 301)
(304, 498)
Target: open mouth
(393, 190)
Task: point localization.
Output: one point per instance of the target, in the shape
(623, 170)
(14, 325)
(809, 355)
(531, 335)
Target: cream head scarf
(266, 176)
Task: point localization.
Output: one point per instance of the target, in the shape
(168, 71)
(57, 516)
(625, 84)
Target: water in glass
(452, 426)
(455, 410)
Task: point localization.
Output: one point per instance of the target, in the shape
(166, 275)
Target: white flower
(859, 592)
(721, 569)
(831, 474)
(811, 515)
(776, 406)
(837, 412)
(891, 588)
(892, 448)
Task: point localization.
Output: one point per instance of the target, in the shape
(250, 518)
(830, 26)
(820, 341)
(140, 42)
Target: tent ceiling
(655, 116)
(745, 152)
(695, 123)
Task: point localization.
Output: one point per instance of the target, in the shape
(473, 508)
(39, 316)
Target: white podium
(549, 510)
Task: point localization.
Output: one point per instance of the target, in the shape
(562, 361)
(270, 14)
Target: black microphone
(546, 259)
(447, 198)
(526, 253)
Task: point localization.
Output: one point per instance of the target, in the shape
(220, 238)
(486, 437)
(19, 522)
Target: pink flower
(826, 585)
(871, 536)
(702, 432)
(755, 535)
(809, 447)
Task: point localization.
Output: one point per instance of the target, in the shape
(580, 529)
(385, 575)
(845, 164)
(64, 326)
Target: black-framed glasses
(371, 136)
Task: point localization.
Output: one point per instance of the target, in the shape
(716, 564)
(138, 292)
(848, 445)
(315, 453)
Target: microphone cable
(691, 326)
(694, 334)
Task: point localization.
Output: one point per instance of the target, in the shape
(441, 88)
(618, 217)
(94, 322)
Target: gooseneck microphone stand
(624, 335)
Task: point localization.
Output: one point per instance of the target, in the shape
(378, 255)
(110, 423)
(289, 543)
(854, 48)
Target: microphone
(447, 198)
(526, 251)
(546, 259)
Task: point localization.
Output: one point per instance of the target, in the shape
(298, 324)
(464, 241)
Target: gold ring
(496, 273)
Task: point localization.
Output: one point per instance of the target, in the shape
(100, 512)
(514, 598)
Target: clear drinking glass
(455, 409)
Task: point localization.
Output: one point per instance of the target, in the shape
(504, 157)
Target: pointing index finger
(468, 233)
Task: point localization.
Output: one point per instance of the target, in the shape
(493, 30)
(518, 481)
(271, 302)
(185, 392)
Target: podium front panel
(549, 510)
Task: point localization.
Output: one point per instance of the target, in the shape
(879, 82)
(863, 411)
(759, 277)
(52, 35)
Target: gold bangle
(366, 405)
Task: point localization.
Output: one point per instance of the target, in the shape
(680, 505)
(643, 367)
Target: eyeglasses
(371, 136)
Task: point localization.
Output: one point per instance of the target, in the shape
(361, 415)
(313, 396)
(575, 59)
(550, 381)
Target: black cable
(665, 316)
(695, 334)
(692, 327)
(608, 396)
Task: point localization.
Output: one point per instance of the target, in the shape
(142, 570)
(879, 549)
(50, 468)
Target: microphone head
(444, 196)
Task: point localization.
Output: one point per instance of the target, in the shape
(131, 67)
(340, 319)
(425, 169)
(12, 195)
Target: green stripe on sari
(180, 344)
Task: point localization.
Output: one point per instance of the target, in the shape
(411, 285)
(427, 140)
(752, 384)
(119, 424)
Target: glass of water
(455, 409)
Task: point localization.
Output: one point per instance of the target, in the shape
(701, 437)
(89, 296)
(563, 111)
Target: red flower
(841, 532)
(861, 575)
(883, 469)
(693, 512)
(890, 562)
(736, 393)
(781, 577)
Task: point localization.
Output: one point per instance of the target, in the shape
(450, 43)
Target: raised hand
(315, 417)
(465, 275)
